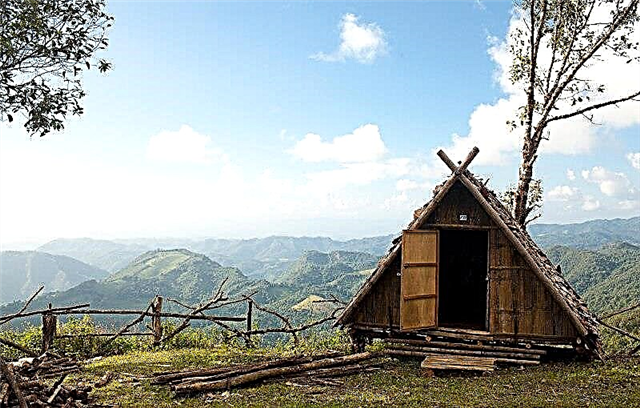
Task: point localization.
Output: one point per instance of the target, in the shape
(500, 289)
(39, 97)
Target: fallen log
(7, 373)
(466, 352)
(252, 377)
(223, 372)
(451, 345)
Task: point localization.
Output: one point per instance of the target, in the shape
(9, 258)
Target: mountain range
(591, 234)
(286, 271)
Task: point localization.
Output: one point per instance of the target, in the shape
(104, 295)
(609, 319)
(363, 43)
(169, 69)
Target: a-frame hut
(465, 279)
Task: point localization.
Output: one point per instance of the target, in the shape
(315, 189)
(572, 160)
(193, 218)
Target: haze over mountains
(601, 258)
(22, 272)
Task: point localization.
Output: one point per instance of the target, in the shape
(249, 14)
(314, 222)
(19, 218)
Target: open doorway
(462, 296)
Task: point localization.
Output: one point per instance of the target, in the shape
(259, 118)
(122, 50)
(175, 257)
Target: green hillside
(22, 272)
(179, 274)
(316, 268)
(608, 278)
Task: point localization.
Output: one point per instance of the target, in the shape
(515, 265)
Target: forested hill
(607, 278)
(193, 278)
(22, 272)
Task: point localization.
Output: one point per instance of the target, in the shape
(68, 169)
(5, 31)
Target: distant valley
(600, 258)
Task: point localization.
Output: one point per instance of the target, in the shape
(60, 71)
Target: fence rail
(156, 330)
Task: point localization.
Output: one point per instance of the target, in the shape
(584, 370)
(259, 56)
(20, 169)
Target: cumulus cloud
(182, 146)
(574, 136)
(363, 42)
(611, 183)
(634, 159)
(362, 145)
(590, 204)
(571, 175)
(562, 193)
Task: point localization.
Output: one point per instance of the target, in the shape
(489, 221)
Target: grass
(612, 383)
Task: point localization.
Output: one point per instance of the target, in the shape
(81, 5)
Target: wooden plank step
(451, 345)
(457, 362)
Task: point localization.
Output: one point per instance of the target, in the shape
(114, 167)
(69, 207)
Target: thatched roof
(584, 321)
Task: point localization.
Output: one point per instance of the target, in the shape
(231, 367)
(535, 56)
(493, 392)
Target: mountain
(259, 257)
(22, 272)
(591, 234)
(316, 268)
(108, 255)
(608, 278)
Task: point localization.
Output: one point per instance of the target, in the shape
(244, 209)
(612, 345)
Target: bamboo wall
(518, 302)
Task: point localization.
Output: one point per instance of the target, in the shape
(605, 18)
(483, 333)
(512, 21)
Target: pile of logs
(24, 383)
(320, 369)
(443, 355)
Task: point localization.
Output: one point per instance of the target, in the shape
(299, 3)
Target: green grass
(612, 383)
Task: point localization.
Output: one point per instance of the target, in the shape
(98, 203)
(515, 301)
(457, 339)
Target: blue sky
(243, 119)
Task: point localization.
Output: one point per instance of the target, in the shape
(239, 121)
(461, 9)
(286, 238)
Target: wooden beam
(467, 161)
(459, 226)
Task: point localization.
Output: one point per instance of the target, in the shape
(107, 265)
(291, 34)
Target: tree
(554, 46)
(45, 45)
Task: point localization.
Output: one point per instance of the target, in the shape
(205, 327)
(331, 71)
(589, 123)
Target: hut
(465, 285)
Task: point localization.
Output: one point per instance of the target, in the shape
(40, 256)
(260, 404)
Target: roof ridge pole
(467, 161)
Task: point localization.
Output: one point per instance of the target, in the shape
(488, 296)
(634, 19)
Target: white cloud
(571, 175)
(182, 146)
(363, 42)
(358, 174)
(363, 145)
(574, 136)
(590, 204)
(610, 183)
(629, 205)
(634, 159)
(406, 185)
(563, 193)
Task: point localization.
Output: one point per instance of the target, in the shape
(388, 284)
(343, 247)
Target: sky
(245, 119)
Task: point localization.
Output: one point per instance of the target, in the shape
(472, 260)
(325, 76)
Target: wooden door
(419, 282)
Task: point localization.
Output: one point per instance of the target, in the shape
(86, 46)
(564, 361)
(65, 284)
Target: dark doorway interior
(462, 297)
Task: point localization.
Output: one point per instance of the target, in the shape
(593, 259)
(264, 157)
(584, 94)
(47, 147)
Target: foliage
(552, 47)
(534, 200)
(44, 47)
(607, 278)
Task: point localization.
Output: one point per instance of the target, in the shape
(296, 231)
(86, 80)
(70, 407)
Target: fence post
(49, 323)
(156, 320)
(249, 324)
